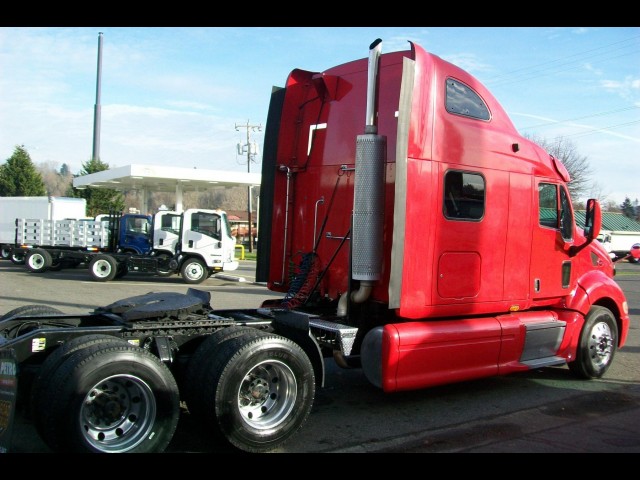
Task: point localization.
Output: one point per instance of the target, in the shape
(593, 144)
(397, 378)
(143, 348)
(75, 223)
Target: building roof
(613, 222)
(165, 179)
(152, 178)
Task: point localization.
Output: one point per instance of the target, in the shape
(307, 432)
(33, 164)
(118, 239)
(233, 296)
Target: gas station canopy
(149, 178)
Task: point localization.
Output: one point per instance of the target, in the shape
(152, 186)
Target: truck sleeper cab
(433, 236)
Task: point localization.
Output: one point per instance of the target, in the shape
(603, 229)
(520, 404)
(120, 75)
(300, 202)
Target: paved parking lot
(543, 410)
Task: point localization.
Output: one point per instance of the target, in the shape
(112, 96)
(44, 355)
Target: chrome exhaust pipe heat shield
(368, 208)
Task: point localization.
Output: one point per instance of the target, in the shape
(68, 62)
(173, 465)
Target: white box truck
(39, 208)
(618, 244)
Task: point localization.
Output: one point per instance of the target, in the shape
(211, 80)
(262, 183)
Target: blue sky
(173, 96)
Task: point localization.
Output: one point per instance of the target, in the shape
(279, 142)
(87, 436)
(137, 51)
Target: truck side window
(548, 205)
(207, 224)
(171, 223)
(463, 195)
(137, 225)
(566, 217)
(462, 100)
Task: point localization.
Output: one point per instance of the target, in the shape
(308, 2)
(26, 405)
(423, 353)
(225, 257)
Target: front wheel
(261, 390)
(110, 398)
(597, 345)
(103, 268)
(38, 260)
(194, 271)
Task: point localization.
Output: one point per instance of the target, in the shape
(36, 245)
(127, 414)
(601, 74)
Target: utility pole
(250, 153)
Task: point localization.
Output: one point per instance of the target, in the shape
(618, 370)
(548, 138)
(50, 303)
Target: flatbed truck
(195, 244)
(47, 208)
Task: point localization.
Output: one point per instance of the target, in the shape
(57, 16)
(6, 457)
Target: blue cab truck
(54, 245)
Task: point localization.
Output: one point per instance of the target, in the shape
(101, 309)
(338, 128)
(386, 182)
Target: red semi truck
(412, 232)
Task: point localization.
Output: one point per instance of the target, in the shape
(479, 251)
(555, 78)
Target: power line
(596, 130)
(600, 114)
(558, 66)
(524, 72)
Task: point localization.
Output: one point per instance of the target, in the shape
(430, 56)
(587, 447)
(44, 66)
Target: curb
(231, 278)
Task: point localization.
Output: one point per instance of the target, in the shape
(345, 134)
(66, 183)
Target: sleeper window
(464, 195)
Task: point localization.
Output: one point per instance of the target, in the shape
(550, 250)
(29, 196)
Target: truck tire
(56, 266)
(38, 260)
(122, 270)
(195, 375)
(103, 268)
(194, 270)
(259, 391)
(110, 398)
(17, 258)
(5, 253)
(30, 310)
(163, 259)
(597, 345)
(41, 381)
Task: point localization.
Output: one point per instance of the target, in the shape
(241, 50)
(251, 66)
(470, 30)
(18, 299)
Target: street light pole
(255, 128)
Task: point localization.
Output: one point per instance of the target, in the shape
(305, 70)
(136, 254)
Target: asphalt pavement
(557, 414)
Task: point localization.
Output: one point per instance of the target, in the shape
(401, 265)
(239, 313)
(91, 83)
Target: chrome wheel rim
(118, 413)
(267, 394)
(600, 345)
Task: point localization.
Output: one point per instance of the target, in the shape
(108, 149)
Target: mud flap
(8, 394)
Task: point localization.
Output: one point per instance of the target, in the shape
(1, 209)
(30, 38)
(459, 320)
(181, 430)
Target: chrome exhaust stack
(368, 204)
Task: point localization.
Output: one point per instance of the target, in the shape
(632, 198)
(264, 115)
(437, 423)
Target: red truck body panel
(468, 284)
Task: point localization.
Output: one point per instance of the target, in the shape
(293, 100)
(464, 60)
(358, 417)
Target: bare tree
(597, 192)
(578, 165)
(611, 206)
(56, 181)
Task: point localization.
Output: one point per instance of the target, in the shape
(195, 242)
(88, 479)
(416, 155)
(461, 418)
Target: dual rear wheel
(100, 394)
(255, 389)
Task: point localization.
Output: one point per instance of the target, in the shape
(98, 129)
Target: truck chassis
(113, 380)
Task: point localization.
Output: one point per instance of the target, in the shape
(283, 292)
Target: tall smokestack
(96, 114)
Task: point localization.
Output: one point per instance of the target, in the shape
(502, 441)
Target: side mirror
(593, 220)
(592, 225)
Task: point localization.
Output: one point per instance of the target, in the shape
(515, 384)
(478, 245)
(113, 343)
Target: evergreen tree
(627, 208)
(19, 176)
(99, 200)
